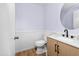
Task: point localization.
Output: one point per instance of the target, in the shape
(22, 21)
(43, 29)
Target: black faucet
(66, 32)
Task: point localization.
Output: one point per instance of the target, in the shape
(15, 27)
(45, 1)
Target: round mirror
(70, 15)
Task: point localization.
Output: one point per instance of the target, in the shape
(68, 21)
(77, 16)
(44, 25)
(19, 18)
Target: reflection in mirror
(70, 15)
(76, 19)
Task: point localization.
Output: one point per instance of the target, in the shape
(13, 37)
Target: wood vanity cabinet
(51, 47)
(57, 48)
(67, 50)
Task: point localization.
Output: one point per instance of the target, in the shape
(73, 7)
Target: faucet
(66, 32)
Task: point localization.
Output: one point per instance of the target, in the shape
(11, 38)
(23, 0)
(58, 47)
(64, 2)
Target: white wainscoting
(27, 40)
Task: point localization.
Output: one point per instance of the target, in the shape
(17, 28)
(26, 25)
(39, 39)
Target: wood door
(51, 47)
(67, 50)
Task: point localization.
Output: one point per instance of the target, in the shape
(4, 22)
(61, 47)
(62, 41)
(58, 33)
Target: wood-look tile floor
(30, 52)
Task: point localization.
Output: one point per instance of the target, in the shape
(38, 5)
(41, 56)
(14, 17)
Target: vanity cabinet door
(51, 47)
(67, 50)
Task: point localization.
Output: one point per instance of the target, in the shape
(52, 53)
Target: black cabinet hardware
(58, 49)
(55, 47)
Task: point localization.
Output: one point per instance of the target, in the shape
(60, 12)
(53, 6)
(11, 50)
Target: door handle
(16, 38)
(55, 47)
(58, 49)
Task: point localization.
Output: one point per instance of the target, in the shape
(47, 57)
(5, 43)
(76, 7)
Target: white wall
(53, 17)
(29, 17)
(29, 24)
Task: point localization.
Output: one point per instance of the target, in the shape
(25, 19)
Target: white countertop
(73, 42)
